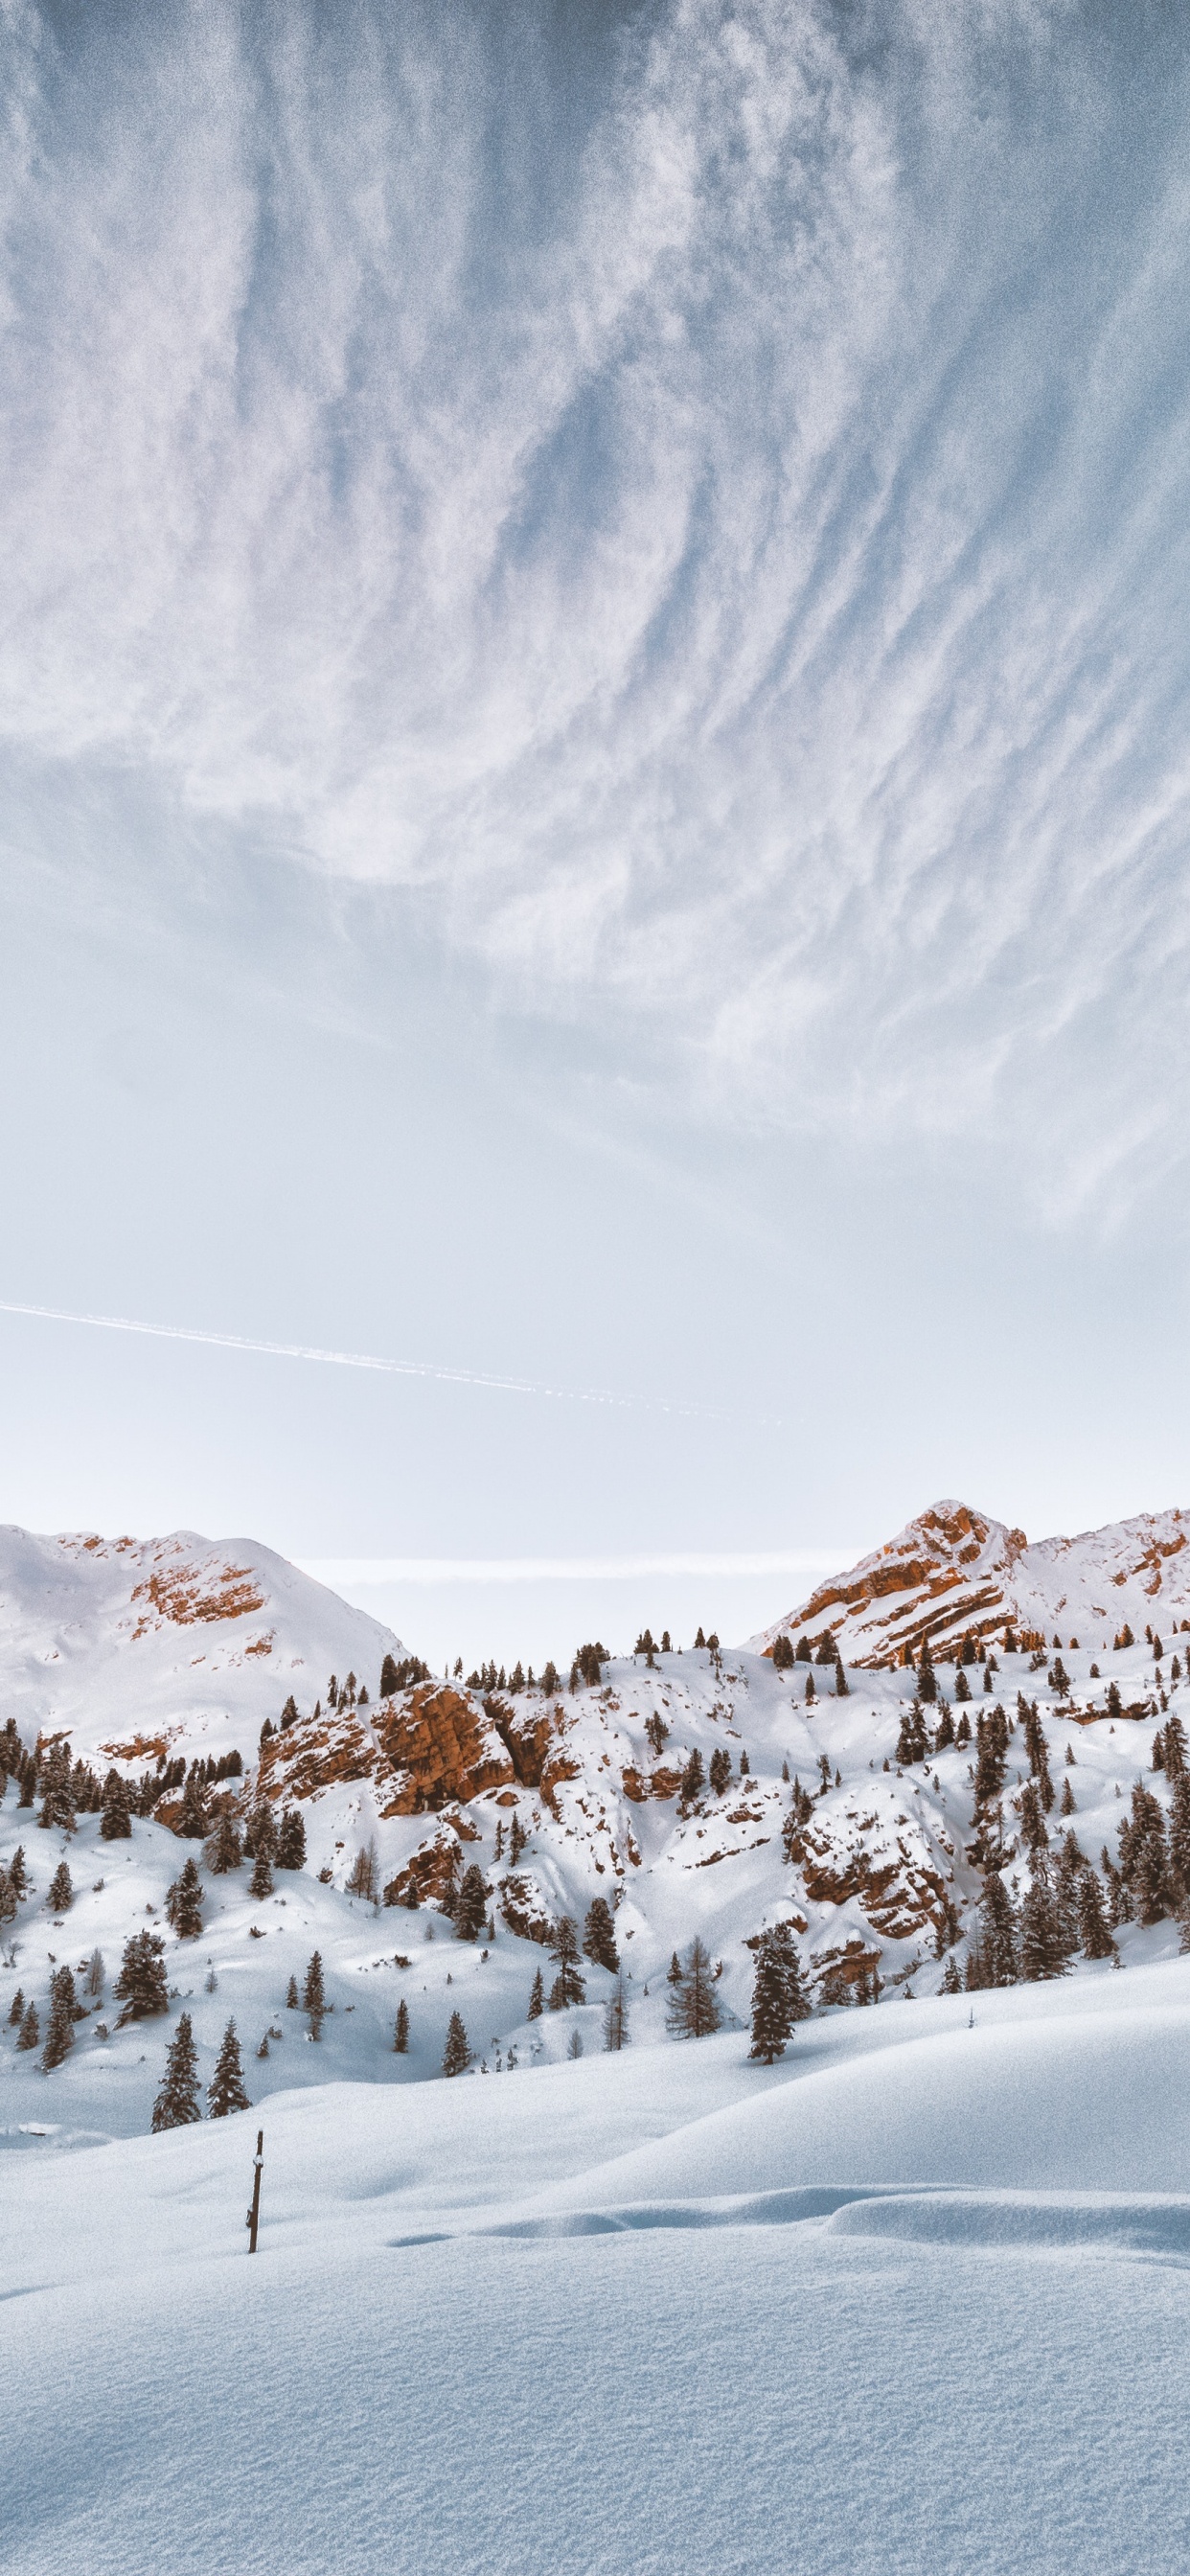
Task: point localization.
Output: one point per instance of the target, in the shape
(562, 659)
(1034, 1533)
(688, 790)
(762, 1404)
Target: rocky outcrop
(436, 1744)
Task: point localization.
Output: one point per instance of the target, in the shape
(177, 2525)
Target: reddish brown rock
(440, 1746)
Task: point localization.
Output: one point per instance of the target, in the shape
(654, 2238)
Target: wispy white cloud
(723, 543)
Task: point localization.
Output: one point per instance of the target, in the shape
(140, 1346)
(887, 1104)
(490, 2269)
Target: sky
(593, 787)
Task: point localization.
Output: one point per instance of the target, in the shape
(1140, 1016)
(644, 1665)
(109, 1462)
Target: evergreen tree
(568, 1987)
(693, 2011)
(944, 1731)
(456, 2056)
(1179, 1837)
(30, 2030)
(401, 2033)
(314, 1995)
(115, 1823)
(289, 1714)
(183, 1903)
(1033, 1830)
(1066, 1806)
(291, 1840)
(192, 1823)
(771, 2021)
(16, 2009)
(1042, 1942)
(842, 1686)
(599, 1936)
(693, 1779)
(260, 1832)
(952, 1983)
(261, 1882)
(536, 1999)
(471, 1905)
(59, 2038)
(225, 2092)
(962, 1687)
(141, 1985)
(720, 1770)
(927, 1686)
(224, 1851)
(61, 1896)
(997, 1934)
(389, 1685)
(1144, 1856)
(18, 1874)
(615, 2018)
(291, 1995)
(673, 1974)
(1174, 1743)
(1093, 1932)
(177, 2102)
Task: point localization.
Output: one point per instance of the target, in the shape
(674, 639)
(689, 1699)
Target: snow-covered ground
(916, 2299)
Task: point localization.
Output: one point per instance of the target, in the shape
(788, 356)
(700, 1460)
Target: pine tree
(693, 2010)
(30, 2030)
(192, 1823)
(927, 1686)
(291, 1840)
(18, 1874)
(183, 1903)
(224, 1851)
(693, 1779)
(260, 1832)
(291, 1995)
(261, 1882)
(536, 1999)
(59, 2038)
(141, 1985)
(225, 2092)
(314, 1995)
(952, 1983)
(998, 1934)
(944, 1731)
(720, 1770)
(115, 1823)
(16, 2009)
(962, 1687)
(456, 2056)
(177, 2102)
(389, 1685)
(61, 1896)
(401, 2033)
(842, 1685)
(1066, 1806)
(599, 1936)
(1179, 1837)
(471, 1905)
(771, 2020)
(1093, 1932)
(1042, 1943)
(615, 2018)
(673, 1974)
(1174, 1743)
(568, 1987)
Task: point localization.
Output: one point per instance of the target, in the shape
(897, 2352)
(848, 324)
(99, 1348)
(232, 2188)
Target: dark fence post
(254, 2212)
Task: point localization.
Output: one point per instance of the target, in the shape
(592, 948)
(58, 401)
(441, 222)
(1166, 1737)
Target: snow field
(952, 2337)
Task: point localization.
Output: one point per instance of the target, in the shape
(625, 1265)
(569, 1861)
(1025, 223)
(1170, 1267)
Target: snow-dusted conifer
(183, 1903)
(599, 1936)
(59, 2038)
(401, 2033)
(224, 1851)
(225, 2092)
(471, 1905)
(291, 1840)
(30, 2030)
(536, 1999)
(61, 1895)
(177, 2103)
(115, 1823)
(693, 2009)
(456, 2056)
(568, 1987)
(141, 1985)
(261, 1882)
(314, 1995)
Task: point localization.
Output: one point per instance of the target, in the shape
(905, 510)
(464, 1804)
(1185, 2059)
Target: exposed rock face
(955, 1571)
(524, 1908)
(314, 1755)
(429, 1875)
(438, 1744)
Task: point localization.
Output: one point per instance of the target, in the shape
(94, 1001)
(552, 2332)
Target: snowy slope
(916, 2299)
(166, 1642)
(954, 1570)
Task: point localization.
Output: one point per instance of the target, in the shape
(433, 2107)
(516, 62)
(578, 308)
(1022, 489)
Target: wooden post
(254, 2212)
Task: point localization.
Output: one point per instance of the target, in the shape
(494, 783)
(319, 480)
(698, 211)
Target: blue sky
(593, 671)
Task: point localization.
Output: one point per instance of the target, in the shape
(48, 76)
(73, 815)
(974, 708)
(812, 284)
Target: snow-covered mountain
(955, 1571)
(135, 1647)
(710, 1791)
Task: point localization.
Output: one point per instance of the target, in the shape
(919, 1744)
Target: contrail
(367, 1360)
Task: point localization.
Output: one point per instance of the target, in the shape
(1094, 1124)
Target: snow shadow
(973, 2219)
